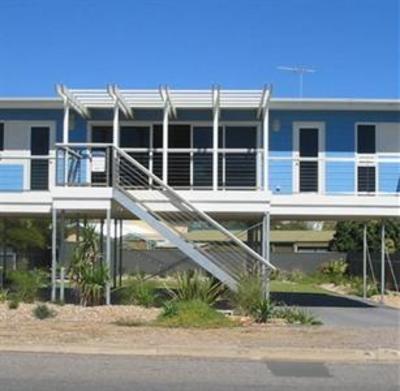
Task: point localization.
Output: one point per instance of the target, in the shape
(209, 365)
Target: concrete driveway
(343, 311)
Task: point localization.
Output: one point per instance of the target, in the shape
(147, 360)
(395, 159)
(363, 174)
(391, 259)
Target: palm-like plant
(196, 286)
(87, 273)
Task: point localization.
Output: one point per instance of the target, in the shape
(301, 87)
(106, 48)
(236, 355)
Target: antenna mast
(299, 70)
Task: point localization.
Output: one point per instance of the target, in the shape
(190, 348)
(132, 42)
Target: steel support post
(383, 262)
(108, 255)
(121, 225)
(53, 254)
(265, 252)
(365, 244)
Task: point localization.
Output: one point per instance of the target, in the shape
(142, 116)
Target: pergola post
(216, 114)
(365, 244)
(165, 144)
(66, 140)
(116, 126)
(53, 254)
(383, 261)
(108, 255)
(263, 111)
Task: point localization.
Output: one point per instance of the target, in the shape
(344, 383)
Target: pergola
(168, 100)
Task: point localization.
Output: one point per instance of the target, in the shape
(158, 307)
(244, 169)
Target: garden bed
(75, 313)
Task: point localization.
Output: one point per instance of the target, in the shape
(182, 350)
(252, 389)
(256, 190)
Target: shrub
(249, 293)
(26, 283)
(13, 302)
(334, 271)
(196, 286)
(357, 287)
(3, 295)
(294, 315)
(42, 311)
(92, 284)
(89, 276)
(193, 313)
(138, 290)
(263, 311)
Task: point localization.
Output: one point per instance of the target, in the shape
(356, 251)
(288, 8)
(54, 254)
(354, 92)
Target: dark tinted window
(39, 174)
(308, 176)
(202, 137)
(1, 137)
(157, 136)
(308, 143)
(240, 137)
(40, 141)
(179, 136)
(366, 179)
(134, 137)
(366, 139)
(102, 134)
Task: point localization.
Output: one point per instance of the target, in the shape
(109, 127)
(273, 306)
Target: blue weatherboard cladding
(11, 176)
(389, 177)
(340, 142)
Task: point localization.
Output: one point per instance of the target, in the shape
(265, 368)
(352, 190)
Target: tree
(349, 236)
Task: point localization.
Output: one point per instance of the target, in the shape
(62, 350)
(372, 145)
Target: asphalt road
(45, 372)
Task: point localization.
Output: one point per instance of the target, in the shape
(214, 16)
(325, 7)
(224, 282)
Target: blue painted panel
(11, 177)
(281, 176)
(339, 128)
(340, 177)
(77, 133)
(389, 177)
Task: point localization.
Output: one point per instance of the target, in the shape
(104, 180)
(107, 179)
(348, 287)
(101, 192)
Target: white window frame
(321, 154)
(366, 159)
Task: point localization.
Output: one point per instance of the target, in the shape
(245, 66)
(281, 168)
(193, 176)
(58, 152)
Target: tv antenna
(299, 70)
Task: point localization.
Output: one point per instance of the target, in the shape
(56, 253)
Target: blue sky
(353, 44)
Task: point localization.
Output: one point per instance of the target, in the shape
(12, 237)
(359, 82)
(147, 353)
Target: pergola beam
(69, 100)
(166, 98)
(265, 98)
(120, 100)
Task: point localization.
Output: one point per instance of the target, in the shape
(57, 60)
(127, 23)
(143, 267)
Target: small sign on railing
(98, 164)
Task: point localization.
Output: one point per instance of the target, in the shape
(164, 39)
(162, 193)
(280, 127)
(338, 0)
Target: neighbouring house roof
(301, 236)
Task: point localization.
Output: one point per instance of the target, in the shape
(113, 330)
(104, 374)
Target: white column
(365, 261)
(265, 170)
(66, 141)
(108, 255)
(165, 145)
(66, 124)
(53, 253)
(116, 127)
(383, 261)
(215, 148)
(265, 251)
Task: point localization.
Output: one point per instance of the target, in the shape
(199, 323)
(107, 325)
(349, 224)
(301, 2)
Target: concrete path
(374, 316)
(48, 372)
(343, 311)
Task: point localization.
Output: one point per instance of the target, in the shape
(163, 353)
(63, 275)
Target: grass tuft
(42, 311)
(192, 314)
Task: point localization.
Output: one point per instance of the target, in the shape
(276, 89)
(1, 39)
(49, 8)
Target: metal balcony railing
(26, 173)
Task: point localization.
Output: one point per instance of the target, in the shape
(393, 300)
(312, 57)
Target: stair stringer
(139, 210)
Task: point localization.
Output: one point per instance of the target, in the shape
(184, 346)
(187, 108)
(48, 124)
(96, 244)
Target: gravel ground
(94, 326)
(75, 313)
